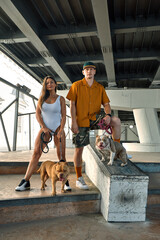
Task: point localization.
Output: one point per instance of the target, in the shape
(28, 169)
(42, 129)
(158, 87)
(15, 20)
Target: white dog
(105, 145)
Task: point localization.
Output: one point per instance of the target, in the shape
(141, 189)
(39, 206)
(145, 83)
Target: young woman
(51, 115)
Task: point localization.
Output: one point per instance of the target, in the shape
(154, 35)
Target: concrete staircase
(37, 204)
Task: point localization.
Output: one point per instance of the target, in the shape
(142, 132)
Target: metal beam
(5, 133)
(66, 60)
(75, 59)
(68, 32)
(12, 38)
(52, 34)
(30, 32)
(136, 56)
(15, 121)
(18, 88)
(98, 58)
(156, 79)
(139, 25)
(100, 9)
(136, 76)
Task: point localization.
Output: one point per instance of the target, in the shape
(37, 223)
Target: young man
(86, 97)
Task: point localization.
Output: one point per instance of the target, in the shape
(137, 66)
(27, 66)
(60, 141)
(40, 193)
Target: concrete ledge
(123, 189)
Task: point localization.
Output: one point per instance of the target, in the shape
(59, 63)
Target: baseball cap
(89, 64)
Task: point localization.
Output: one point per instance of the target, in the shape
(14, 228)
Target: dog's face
(102, 142)
(62, 170)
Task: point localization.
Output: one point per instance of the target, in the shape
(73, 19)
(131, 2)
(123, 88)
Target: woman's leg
(61, 153)
(36, 155)
(61, 150)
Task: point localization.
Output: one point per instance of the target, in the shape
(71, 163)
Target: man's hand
(107, 120)
(74, 127)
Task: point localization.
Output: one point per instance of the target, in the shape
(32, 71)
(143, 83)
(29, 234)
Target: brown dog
(56, 171)
(105, 145)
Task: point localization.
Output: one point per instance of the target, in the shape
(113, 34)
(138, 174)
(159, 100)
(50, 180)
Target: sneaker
(80, 183)
(67, 187)
(23, 186)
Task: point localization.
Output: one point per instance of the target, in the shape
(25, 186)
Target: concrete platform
(25, 156)
(86, 226)
(36, 204)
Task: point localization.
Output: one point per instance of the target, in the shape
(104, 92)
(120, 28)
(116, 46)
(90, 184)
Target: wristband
(109, 115)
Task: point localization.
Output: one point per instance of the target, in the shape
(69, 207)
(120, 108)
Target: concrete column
(148, 125)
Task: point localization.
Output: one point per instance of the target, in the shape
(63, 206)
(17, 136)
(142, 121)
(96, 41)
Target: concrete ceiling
(55, 37)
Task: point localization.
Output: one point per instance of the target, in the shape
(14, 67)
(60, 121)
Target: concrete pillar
(148, 125)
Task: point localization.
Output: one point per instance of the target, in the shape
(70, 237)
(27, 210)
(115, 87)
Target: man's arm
(107, 109)
(63, 117)
(74, 125)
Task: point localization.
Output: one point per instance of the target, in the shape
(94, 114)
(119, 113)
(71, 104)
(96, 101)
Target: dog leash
(102, 125)
(105, 127)
(46, 142)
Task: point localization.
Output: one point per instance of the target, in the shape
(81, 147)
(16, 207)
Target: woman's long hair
(45, 93)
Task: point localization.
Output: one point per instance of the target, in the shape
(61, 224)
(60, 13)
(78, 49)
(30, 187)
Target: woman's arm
(40, 120)
(63, 112)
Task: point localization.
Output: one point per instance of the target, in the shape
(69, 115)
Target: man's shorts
(81, 139)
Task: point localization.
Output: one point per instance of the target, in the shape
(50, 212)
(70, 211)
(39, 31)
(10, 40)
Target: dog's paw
(53, 194)
(123, 164)
(103, 159)
(110, 164)
(42, 188)
(63, 191)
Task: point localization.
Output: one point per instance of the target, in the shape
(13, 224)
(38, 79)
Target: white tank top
(51, 114)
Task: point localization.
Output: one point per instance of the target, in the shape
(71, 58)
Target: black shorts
(81, 139)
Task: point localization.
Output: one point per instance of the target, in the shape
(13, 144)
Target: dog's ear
(113, 149)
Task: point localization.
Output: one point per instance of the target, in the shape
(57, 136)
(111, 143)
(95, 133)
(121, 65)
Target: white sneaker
(23, 186)
(80, 183)
(67, 188)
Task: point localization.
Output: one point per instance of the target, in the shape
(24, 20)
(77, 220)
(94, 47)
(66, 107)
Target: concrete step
(154, 189)
(36, 204)
(152, 169)
(20, 167)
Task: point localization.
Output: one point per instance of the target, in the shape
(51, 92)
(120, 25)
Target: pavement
(82, 227)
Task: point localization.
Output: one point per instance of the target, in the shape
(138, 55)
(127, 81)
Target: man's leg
(78, 161)
(116, 128)
(80, 183)
(80, 140)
